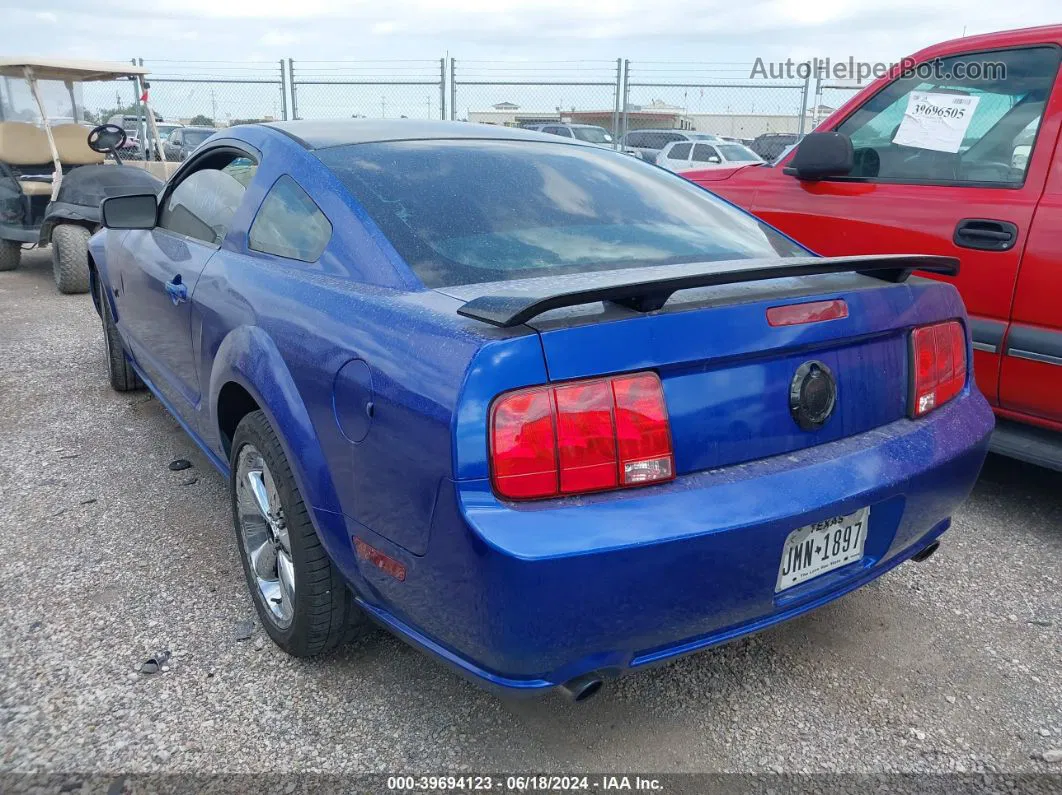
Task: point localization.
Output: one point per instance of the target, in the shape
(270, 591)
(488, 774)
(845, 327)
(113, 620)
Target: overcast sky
(708, 30)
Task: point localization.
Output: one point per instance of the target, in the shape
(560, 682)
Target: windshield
(702, 137)
(461, 212)
(737, 152)
(594, 135)
(17, 102)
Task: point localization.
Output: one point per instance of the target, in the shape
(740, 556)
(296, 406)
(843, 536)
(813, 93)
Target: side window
(564, 132)
(973, 120)
(704, 153)
(635, 139)
(289, 224)
(202, 204)
(175, 137)
(679, 152)
(667, 138)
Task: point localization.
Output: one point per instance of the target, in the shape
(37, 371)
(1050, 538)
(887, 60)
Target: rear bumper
(523, 599)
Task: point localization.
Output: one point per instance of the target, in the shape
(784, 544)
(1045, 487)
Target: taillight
(581, 436)
(938, 365)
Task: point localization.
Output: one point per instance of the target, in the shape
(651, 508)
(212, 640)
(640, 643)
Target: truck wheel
(10, 254)
(70, 258)
(301, 599)
(119, 370)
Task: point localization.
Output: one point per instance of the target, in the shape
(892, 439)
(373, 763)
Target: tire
(70, 258)
(120, 371)
(10, 255)
(313, 611)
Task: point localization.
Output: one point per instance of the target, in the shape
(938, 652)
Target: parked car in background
(771, 145)
(590, 133)
(647, 144)
(686, 155)
(185, 140)
(395, 332)
(969, 168)
(167, 127)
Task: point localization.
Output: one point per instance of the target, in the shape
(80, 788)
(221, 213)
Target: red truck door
(1031, 378)
(945, 164)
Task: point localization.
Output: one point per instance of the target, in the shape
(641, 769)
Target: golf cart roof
(77, 70)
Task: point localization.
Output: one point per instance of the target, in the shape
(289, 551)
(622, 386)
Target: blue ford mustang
(547, 412)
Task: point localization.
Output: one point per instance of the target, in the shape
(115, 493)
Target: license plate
(818, 548)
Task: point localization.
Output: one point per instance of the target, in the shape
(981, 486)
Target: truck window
(965, 124)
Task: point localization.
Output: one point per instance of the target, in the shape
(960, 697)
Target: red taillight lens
(580, 437)
(811, 312)
(642, 430)
(586, 440)
(938, 364)
(524, 445)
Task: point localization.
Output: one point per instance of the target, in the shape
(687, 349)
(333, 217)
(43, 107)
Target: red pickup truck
(957, 154)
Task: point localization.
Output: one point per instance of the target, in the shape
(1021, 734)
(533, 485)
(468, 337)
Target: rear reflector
(580, 437)
(813, 312)
(938, 365)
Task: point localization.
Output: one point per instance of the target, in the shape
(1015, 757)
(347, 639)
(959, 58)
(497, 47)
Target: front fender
(250, 358)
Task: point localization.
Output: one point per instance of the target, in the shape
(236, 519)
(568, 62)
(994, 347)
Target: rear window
(461, 212)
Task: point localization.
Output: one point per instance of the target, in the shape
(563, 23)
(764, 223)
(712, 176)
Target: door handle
(985, 234)
(177, 290)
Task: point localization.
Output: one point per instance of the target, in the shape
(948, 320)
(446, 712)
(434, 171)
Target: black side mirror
(821, 155)
(136, 211)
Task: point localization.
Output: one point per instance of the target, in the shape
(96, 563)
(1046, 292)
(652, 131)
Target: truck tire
(70, 258)
(120, 371)
(10, 254)
(301, 599)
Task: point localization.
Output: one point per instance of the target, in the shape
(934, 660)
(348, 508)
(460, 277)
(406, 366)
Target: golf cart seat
(71, 141)
(25, 146)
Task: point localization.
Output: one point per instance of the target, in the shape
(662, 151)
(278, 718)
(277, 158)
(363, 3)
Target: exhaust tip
(926, 553)
(582, 688)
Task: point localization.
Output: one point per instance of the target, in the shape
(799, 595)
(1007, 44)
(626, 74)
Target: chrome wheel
(263, 532)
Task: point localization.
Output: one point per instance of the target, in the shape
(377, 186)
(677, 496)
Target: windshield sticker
(936, 121)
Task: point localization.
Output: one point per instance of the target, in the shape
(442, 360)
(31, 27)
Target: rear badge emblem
(812, 395)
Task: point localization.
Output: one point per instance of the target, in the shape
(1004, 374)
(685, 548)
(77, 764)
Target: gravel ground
(107, 556)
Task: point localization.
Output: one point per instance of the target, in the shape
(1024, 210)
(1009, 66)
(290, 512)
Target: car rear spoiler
(647, 289)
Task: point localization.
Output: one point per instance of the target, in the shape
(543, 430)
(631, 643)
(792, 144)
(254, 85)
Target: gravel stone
(152, 566)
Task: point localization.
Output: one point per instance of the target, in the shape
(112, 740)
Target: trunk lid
(727, 373)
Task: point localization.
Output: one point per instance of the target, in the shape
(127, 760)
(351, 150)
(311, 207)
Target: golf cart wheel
(10, 254)
(301, 599)
(122, 376)
(70, 258)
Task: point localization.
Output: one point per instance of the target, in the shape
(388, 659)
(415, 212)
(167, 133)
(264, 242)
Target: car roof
(342, 132)
(68, 69)
(189, 128)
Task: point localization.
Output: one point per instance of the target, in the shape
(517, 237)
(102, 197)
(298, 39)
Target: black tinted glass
(461, 212)
(289, 224)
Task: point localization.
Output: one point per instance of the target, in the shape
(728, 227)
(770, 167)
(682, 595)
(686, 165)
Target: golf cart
(53, 169)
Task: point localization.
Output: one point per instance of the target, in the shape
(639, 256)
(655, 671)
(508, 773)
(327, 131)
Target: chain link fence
(524, 93)
(199, 93)
(368, 89)
(718, 98)
(617, 96)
